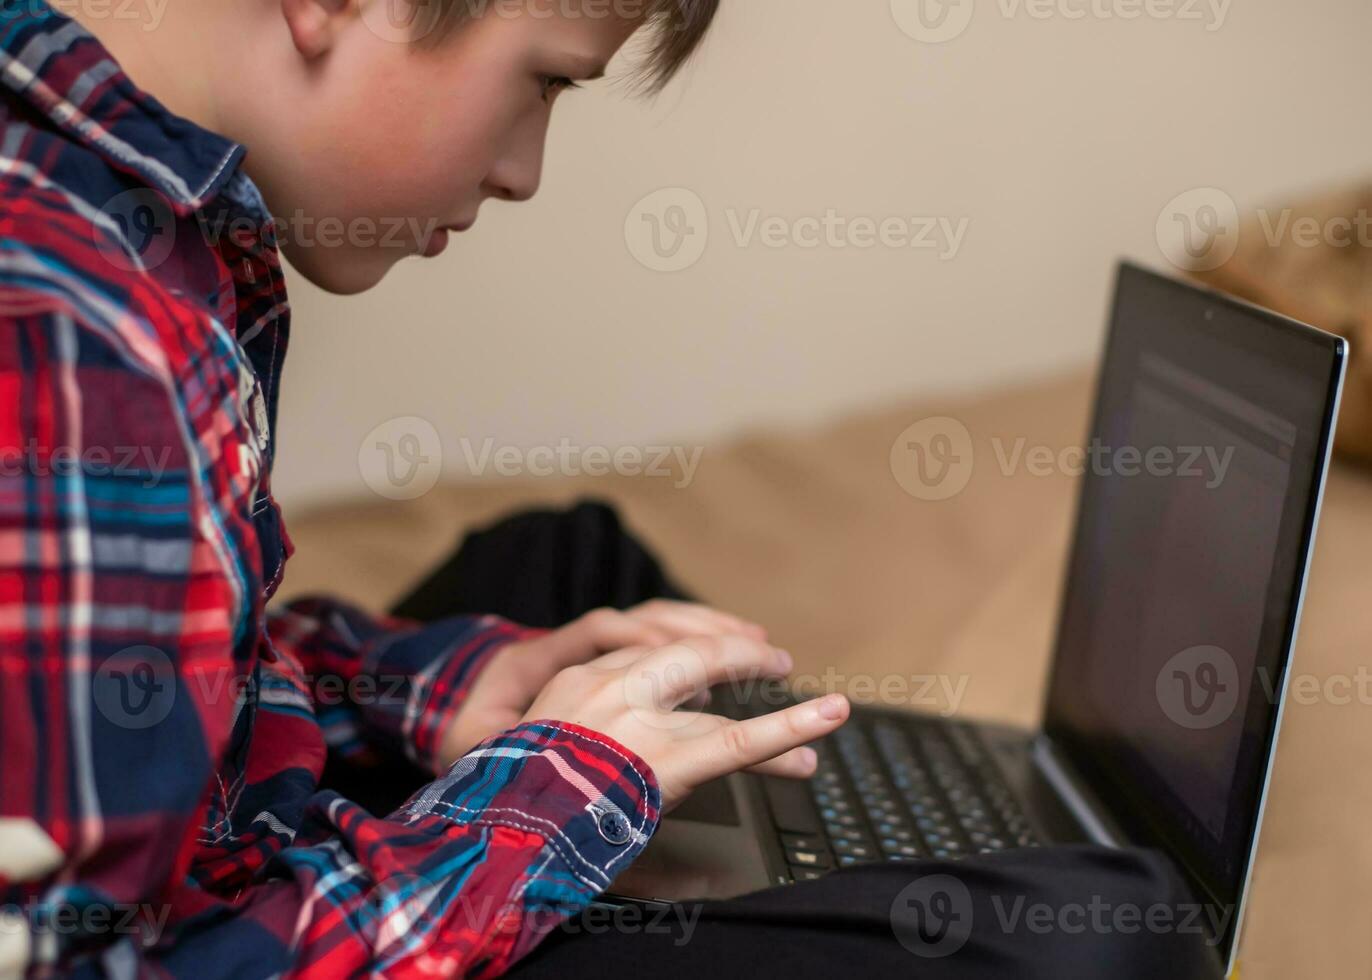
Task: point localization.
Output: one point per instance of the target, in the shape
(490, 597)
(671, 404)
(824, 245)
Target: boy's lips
(438, 241)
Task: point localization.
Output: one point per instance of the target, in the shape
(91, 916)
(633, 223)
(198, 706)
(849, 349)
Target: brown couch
(811, 534)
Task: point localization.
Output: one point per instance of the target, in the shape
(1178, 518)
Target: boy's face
(394, 143)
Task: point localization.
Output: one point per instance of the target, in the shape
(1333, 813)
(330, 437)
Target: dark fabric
(1059, 913)
(543, 568)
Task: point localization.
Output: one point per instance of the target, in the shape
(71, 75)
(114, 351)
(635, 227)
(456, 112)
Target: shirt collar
(62, 72)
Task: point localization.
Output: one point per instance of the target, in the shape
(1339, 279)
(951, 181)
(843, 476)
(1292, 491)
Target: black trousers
(1053, 912)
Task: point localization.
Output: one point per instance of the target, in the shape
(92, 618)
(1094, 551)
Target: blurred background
(1014, 160)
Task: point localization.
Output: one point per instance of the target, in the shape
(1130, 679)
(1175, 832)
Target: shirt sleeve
(118, 612)
(385, 683)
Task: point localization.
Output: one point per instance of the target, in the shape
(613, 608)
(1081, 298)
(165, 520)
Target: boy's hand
(508, 684)
(631, 696)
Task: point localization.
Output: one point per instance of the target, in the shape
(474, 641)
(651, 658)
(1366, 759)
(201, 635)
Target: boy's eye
(555, 83)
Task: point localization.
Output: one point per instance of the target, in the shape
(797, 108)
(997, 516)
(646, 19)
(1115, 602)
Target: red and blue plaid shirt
(162, 732)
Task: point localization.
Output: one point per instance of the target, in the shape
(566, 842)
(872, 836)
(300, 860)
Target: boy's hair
(676, 26)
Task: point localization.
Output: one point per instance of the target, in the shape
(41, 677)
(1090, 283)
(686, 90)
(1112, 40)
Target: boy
(161, 737)
(163, 734)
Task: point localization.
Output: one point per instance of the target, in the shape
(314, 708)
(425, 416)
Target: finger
(599, 631)
(621, 658)
(701, 618)
(753, 741)
(799, 763)
(679, 670)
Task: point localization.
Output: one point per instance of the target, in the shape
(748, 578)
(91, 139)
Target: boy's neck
(179, 59)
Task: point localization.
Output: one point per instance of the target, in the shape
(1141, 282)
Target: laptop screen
(1202, 476)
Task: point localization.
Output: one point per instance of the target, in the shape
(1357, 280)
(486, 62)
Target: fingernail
(809, 757)
(787, 662)
(830, 707)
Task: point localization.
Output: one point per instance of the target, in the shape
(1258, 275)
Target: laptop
(1178, 617)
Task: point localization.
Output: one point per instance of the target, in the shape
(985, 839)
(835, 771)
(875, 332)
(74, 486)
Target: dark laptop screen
(1202, 475)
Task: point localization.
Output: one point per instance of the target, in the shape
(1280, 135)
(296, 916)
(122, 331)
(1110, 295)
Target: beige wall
(1055, 143)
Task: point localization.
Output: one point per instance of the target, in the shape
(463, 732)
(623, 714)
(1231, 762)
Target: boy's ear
(315, 23)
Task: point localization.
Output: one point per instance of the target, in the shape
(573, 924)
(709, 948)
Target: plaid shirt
(161, 732)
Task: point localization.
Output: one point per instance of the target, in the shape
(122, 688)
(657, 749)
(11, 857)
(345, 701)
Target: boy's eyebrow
(587, 67)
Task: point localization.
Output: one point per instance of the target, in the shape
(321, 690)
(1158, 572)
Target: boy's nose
(512, 190)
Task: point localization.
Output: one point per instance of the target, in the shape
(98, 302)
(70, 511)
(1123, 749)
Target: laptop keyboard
(895, 791)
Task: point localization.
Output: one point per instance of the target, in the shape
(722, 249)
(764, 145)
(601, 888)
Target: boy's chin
(343, 272)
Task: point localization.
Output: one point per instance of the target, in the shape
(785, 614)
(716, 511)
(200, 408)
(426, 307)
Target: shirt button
(614, 827)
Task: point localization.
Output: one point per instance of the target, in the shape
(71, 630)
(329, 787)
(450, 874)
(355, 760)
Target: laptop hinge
(1075, 795)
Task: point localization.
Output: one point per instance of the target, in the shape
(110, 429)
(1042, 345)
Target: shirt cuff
(594, 802)
(437, 691)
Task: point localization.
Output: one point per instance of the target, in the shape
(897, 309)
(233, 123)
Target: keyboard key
(805, 874)
(854, 849)
(805, 842)
(809, 859)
